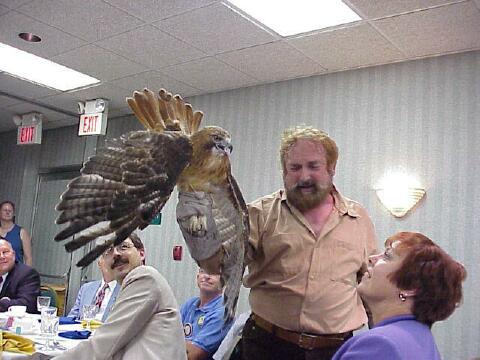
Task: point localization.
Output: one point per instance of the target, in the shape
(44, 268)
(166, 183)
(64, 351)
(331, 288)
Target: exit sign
(29, 134)
(92, 124)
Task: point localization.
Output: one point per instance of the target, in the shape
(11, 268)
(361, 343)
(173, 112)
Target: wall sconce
(399, 192)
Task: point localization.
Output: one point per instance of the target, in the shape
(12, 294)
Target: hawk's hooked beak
(224, 146)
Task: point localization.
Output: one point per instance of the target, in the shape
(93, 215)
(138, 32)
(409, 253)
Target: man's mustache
(119, 261)
(305, 184)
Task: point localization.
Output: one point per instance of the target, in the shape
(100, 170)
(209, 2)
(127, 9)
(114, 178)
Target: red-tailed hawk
(127, 183)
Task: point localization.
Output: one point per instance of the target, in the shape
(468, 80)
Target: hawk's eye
(217, 138)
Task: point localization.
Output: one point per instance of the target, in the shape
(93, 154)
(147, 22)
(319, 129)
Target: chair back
(46, 290)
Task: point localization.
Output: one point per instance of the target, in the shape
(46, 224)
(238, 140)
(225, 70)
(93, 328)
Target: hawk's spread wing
(122, 188)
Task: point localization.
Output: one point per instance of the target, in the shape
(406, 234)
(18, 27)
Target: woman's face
(7, 212)
(375, 285)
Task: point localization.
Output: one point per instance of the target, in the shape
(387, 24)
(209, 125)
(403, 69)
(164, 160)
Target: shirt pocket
(286, 254)
(347, 261)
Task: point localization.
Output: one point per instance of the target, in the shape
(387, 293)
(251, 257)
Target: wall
(420, 116)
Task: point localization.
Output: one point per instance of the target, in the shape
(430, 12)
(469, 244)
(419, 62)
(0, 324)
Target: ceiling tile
(215, 29)
(64, 101)
(3, 9)
(271, 62)
(380, 8)
(151, 47)
(14, 86)
(152, 10)
(349, 47)
(155, 80)
(53, 42)
(25, 108)
(89, 19)
(13, 4)
(7, 101)
(445, 29)
(209, 74)
(115, 95)
(99, 63)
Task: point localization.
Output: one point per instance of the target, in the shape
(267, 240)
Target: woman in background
(16, 235)
(413, 284)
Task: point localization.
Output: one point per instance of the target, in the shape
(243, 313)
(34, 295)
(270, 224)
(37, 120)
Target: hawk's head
(211, 155)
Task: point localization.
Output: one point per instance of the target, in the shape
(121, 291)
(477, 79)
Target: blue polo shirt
(204, 327)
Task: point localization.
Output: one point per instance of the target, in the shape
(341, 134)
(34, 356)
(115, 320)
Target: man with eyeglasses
(19, 283)
(144, 322)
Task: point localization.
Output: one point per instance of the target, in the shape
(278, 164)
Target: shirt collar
(111, 284)
(211, 304)
(343, 205)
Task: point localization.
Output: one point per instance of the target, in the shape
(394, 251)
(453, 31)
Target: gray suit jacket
(143, 324)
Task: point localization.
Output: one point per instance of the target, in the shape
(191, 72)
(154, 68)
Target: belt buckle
(306, 341)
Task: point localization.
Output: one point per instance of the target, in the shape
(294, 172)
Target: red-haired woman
(407, 288)
(16, 235)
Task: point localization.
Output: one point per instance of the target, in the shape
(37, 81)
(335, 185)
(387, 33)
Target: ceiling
(195, 47)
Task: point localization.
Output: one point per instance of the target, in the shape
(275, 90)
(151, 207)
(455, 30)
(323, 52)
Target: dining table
(60, 344)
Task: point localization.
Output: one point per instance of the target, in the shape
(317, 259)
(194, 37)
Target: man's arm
(194, 352)
(75, 311)
(26, 292)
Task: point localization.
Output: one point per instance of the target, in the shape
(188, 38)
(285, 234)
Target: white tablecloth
(39, 341)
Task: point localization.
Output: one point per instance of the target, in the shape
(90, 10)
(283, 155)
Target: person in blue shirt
(413, 284)
(202, 318)
(16, 235)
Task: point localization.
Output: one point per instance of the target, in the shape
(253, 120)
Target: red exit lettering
(27, 134)
(90, 123)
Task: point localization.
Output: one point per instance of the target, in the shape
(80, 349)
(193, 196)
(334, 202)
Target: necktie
(100, 296)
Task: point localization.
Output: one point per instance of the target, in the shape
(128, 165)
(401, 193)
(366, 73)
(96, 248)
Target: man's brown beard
(306, 201)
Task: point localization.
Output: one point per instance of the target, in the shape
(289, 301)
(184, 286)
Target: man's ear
(331, 170)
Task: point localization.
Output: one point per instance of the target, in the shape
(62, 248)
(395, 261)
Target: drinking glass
(42, 302)
(49, 326)
(88, 314)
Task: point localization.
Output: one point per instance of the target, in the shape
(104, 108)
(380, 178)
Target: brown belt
(304, 341)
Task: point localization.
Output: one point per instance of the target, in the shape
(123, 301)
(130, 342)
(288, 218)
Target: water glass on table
(42, 302)
(49, 326)
(88, 314)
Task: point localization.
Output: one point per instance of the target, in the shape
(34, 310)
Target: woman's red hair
(435, 277)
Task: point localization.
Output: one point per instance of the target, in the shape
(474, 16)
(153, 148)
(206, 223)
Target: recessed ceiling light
(29, 37)
(299, 16)
(41, 71)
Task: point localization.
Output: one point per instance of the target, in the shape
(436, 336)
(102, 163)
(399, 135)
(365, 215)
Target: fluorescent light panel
(293, 17)
(41, 71)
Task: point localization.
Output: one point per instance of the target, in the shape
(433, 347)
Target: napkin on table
(15, 343)
(65, 320)
(84, 334)
(94, 324)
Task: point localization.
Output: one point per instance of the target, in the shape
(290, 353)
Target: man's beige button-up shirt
(303, 282)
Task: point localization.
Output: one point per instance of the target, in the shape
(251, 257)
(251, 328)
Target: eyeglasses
(5, 253)
(120, 249)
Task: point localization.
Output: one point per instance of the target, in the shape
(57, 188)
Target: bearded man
(309, 242)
